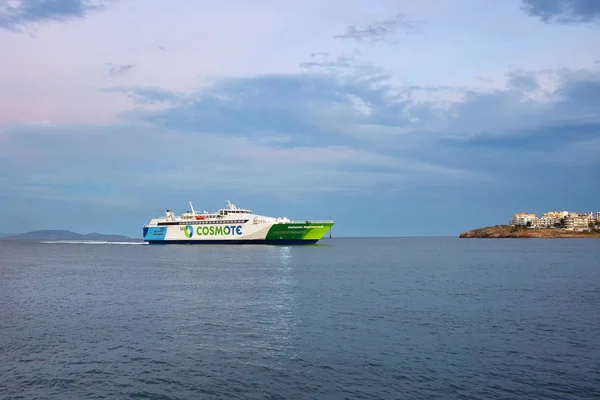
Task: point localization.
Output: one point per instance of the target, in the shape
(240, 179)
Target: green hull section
(310, 231)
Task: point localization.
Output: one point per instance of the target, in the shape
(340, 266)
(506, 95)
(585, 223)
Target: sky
(395, 118)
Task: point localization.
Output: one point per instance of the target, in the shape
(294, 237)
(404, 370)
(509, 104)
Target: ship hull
(238, 242)
(247, 233)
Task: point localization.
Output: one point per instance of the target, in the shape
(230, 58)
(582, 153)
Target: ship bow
(304, 232)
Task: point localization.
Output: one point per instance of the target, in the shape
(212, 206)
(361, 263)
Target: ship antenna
(330, 229)
(192, 207)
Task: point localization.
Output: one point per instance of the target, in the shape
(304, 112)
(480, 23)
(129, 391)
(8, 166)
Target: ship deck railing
(310, 221)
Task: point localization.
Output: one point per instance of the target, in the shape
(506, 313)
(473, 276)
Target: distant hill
(65, 235)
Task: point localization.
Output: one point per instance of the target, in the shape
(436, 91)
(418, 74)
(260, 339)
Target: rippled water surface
(349, 318)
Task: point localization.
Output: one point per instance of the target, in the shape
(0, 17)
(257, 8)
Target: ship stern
(153, 234)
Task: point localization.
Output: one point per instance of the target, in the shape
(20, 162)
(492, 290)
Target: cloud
(119, 69)
(563, 11)
(147, 95)
(322, 60)
(528, 101)
(304, 132)
(338, 128)
(379, 30)
(183, 116)
(337, 98)
(347, 105)
(16, 14)
(315, 135)
(289, 105)
(350, 67)
(546, 138)
(120, 154)
(333, 132)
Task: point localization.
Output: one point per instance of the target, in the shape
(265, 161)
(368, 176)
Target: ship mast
(193, 212)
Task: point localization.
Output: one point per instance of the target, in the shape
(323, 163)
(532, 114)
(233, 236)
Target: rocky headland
(506, 231)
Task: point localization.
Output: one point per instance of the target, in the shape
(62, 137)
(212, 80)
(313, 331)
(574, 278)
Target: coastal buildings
(573, 221)
(548, 222)
(556, 214)
(524, 219)
(577, 223)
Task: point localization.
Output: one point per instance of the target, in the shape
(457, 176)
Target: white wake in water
(86, 242)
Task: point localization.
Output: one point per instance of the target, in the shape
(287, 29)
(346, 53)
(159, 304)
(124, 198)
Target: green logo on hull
(188, 231)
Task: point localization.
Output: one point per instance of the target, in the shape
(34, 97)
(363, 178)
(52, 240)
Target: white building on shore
(524, 219)
(574, 221)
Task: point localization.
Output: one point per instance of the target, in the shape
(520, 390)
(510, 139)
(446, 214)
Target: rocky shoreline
(506, 231)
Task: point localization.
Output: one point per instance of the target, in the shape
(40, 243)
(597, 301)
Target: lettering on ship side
(228, 230)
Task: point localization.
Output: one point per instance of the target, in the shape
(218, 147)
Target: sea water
(426, 318)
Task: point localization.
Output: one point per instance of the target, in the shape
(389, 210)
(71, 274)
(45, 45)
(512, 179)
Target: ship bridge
(231, 209)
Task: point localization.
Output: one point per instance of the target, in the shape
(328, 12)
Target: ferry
(232, 225)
